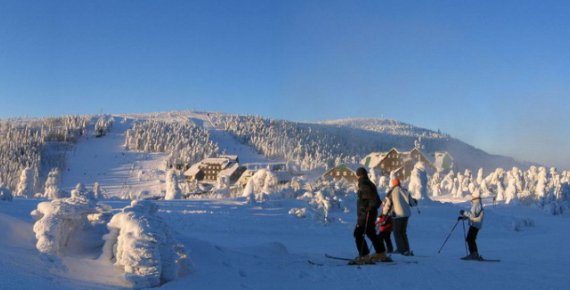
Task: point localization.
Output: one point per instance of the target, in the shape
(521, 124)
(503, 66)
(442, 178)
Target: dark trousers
(385, 237)
(370, 232)
(471, 237)
(400, 234)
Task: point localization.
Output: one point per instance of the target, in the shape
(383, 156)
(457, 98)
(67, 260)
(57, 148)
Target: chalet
(210, 169)
(343, 171)
(395, 162)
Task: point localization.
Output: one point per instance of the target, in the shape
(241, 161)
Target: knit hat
(361, 171)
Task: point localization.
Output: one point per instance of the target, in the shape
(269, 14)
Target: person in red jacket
(384, 227)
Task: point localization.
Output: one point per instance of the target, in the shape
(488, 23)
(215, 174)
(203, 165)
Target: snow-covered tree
(510, 193)
(434, 184)
(25, 187)
(143, 245)
(418, 186)
(97, 191)
(172, 189)
(51, 188)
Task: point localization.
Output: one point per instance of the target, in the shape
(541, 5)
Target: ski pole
(465, 238)
(444, 242)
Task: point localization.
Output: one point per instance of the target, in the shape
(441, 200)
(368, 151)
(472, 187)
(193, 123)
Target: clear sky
(495, 74)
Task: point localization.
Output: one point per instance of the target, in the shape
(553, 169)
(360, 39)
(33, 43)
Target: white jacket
(476, 214)
(398, 203)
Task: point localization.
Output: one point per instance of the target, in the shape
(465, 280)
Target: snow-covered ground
(233, 245)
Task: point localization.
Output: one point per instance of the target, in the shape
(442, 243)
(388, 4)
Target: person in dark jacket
(367, 210)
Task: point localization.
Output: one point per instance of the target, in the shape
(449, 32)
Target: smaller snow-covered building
(343, 171)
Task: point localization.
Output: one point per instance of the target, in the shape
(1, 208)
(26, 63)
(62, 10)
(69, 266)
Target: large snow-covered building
(210, 169)
(396, 163)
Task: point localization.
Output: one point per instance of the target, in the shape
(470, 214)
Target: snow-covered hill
(139, 147)
(466, 156)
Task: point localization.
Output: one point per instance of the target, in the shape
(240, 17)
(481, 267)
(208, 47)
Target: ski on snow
(482, 260)
(352, 261)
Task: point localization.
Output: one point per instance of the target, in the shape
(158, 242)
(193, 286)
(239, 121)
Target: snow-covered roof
(193, 170)
(228, 171)
(230, 157)
(373, 159)
(216, 160)
(351, 166)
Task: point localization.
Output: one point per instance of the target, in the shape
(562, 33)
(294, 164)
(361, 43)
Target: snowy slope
(234, 245)
(465, 156)
(118, 171)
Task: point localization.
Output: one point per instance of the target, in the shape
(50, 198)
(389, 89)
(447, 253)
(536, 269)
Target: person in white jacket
(398, 204)
(475, 216)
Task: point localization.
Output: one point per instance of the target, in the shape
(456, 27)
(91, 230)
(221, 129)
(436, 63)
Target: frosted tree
(80, 192)
(511, 190)
(541, 184)
(172, 189)
(51, 188)
(97, 191)
(418, 186)
(434, 184)
(485, 191)
(480, 176)
(448, 182)
(249, 192)
(460, 186)
(141, 243)
(25, 186)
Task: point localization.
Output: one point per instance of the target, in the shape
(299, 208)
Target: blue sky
(495, 74)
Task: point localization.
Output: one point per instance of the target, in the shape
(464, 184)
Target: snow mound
(141, 243)
(68, 223)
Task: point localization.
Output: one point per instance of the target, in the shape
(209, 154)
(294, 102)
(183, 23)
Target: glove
(461, 212)
(460, 218)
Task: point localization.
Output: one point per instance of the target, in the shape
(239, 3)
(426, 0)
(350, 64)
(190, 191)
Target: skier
(398, 204)
(475, 216)
(367, 210)
(384, 227)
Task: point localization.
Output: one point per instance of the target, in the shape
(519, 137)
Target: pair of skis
(369, 262)
(354, 262)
